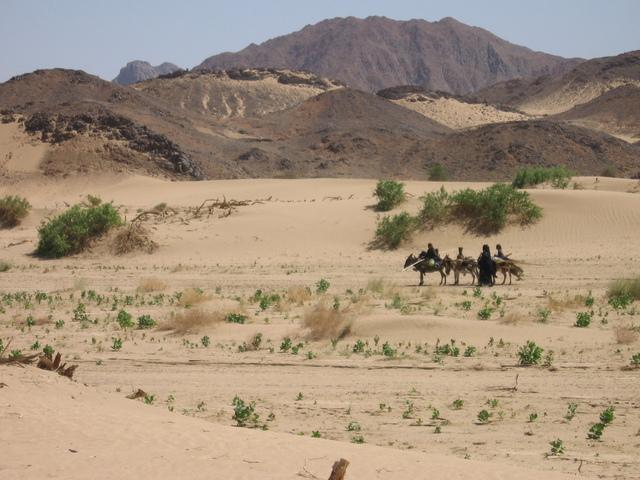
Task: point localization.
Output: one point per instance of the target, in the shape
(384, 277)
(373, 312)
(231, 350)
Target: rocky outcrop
(139, 70)
(377, 52)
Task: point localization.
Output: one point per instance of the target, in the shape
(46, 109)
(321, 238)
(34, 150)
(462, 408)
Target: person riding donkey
(431, 256)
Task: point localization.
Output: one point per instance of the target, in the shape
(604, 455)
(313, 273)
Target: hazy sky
(100, 37)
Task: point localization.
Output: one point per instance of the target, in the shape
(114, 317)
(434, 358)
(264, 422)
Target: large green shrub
(437, 173)
(390, 194)
(559, 177)
(392, 231)
(480, 211)
(74, 230)
(13, 209)
(435, 209)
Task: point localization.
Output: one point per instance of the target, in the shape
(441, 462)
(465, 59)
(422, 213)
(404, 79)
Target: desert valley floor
(390, 396)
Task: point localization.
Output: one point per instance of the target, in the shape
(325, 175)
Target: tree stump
(339, 470)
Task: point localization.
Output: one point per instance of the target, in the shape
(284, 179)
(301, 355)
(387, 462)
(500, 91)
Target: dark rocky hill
(375, 53)
(94, 127)
(139, 70)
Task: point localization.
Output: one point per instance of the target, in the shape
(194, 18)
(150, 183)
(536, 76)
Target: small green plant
(13, 209)
(607, 416)
(485, 313)
(596, 431)
(390, 194)
(59, 324)
(557, 447)
(145, 321)
(244, 413)
(116, 344)
(316, 434)
(124, 319)
(621, 301)
(458, 403)
(572, 407)
(357, 439)
(470, 351)
(484, 416)
(299, 397)
(466, 305)
(388, 351)
(359, 346)
(200, 406)
(353, 427)
(635, 360)
(205, 341)
(286, 345)
(149, 399)
(493, 402)
(530, 354)
(322, 286)
(533, 417)
(235, 318)
(583, 319)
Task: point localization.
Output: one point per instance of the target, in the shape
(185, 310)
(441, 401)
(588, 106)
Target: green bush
(391, 232)
(13, 209)
(530, 354)
(559, 177)
(74, 230)
(435, 209)
(390, 194)
(437, 173)
(609, 171)
(480, 211)
(145, 321)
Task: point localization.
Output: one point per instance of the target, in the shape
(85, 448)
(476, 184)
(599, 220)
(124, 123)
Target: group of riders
(486, 262)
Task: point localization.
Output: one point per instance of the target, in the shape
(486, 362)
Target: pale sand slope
(459, 115)
(299, 232)
(52, 428)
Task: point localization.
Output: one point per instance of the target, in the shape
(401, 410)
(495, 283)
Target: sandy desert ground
(410, 413)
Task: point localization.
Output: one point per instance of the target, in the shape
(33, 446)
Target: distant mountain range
(139, 70)
(376, 53)
(270, 122)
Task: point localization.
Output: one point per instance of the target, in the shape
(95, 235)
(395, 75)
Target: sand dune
(292, 234)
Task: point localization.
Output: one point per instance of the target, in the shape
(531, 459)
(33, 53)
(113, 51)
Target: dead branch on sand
(45, 362)
(137, 394)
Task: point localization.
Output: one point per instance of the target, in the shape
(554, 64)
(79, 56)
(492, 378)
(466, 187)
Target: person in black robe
(487, 267)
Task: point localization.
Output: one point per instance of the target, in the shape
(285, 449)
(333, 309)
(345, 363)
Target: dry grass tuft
(325, 322)
(131, 238)
(512, 319)
(428, 293)
(625, 286)
(193, 296)
(561, 304)
(191, 320)
(625, 335)
(382, 286)
(299, 294)
(151, 285)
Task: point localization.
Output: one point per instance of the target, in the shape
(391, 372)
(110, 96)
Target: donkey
(508, 267)
(424, 267)
(461, 265)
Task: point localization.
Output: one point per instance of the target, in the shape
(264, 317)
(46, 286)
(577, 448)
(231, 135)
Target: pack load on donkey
(427, 262)
(506, 265)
